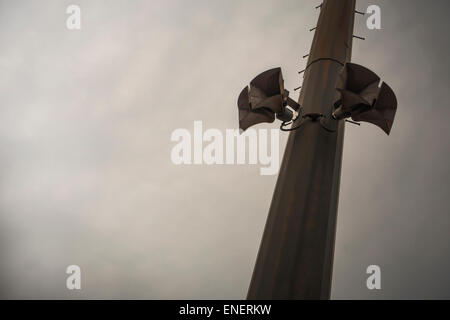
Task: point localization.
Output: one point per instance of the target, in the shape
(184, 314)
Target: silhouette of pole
(295, 258)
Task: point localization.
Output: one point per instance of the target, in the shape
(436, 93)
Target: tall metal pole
(295, 259)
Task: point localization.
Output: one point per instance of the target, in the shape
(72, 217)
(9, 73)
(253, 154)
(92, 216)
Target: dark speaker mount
(265, 99)
(361, 99)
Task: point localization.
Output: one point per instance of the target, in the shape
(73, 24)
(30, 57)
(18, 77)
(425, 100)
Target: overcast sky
(87, 179)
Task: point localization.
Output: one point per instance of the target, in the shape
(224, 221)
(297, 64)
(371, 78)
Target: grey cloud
(85, 144)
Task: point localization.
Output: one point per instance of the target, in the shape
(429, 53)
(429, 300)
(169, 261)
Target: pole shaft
(295, 258)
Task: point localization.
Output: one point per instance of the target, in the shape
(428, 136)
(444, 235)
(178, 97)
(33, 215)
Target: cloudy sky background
(86, 176)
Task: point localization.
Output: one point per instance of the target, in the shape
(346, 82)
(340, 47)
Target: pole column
(295, 258)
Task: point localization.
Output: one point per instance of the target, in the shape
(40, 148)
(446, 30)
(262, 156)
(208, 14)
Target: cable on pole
(353, 122)
(312, 116)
